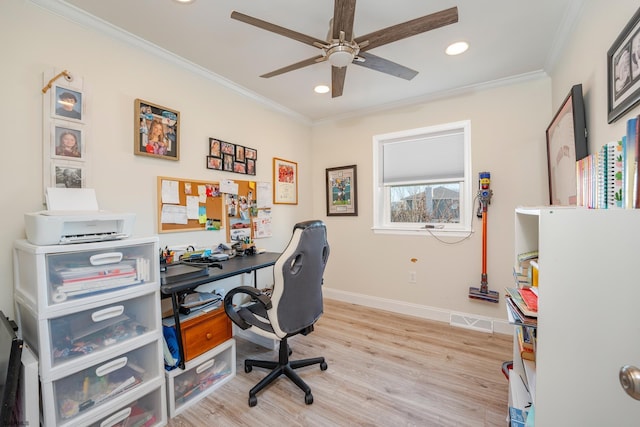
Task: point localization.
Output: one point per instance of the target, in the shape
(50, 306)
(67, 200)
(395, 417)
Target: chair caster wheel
(247, 369)
(323, 366)
(308, 398)
(253, 401)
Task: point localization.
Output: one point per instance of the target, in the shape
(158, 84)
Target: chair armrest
(247, 290)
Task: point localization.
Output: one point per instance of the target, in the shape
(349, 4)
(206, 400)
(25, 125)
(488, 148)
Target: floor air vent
(476, 324)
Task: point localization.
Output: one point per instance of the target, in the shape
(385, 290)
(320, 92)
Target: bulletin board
(243, 208)
(213, 205)
(240, 210)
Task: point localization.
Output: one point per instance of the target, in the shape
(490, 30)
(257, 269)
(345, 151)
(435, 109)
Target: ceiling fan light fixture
(184, 1)
(341, 55)
(321, 89)
(457, 48)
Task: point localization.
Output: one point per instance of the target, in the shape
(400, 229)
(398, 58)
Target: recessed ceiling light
(321, 89)
(185, 1)
(457, 48)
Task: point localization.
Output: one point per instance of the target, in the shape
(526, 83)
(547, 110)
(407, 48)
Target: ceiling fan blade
(343, 16)
(276, 29)
(337, 81)
(377, 63)
(409, 28)
(295, 66)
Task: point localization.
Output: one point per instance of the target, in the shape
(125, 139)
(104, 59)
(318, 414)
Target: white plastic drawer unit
(108, 382)
(145, 411)
(78, 273)
(74, 340)
(201, 376)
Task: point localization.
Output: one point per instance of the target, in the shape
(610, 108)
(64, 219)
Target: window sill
(421, 231)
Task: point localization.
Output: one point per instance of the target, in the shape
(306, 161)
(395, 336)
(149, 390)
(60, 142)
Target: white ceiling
(508, 38)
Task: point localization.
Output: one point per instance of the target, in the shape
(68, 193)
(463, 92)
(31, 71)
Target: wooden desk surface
(231, 267)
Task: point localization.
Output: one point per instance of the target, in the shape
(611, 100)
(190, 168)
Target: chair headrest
(314, 223)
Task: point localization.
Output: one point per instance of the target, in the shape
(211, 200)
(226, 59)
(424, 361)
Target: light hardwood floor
(385, 369)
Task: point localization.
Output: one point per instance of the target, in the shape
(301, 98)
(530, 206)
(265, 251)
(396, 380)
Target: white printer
(73, 217)
(62, 227)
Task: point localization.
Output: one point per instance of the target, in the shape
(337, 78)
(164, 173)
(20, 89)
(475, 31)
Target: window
(422, 178)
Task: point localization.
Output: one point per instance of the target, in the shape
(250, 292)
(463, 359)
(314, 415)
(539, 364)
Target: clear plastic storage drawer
(75, 273)
(200, 377)
(103, 383)
(145, 411)
(91, 332)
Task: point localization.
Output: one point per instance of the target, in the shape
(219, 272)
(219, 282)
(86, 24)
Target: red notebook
(530, 298)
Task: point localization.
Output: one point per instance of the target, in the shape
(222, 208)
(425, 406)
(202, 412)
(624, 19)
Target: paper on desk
(170, 192)
(174, 214)
(71, 199)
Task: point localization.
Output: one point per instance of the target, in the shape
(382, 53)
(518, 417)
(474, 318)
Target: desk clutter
(206, 257)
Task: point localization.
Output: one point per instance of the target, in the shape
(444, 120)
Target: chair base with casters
(282, 367)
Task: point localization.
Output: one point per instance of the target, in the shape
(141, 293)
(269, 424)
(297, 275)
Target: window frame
(381, 194)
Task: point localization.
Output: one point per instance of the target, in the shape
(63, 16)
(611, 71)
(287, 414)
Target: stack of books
(608, 178)
(74, 281)
(522, 269)
(522, 305)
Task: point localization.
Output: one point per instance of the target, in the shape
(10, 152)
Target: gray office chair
(294, 306)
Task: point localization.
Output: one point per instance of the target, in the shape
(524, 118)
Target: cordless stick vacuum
(484, 198)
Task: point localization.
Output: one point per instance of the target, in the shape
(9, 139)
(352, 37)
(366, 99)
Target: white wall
(116, 74)
(584, 61)
(507, 139)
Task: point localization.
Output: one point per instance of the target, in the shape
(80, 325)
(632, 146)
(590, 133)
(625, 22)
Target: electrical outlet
(412, 277)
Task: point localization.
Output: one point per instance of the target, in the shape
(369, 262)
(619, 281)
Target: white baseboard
(500, 326)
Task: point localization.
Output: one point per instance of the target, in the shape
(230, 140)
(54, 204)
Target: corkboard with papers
(189, 205)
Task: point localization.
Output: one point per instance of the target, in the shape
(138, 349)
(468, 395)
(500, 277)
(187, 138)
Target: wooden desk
(230, 268)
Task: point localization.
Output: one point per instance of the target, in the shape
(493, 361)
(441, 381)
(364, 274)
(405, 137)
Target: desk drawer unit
(201, 376)
(204, 332)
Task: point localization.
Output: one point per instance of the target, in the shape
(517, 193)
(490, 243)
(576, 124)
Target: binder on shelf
(614, 175)
(630, 163)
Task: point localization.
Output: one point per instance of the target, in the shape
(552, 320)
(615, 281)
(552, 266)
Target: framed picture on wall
(285, 182)
(214, 148)
(250, 154)
(342, 197)
(566, 144)
(67, 103)
(67, 175)
(156, 131)
(623, 70)
(214, 163)
(67, 141)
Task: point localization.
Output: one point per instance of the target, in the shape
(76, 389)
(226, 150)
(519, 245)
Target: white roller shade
(437, 157)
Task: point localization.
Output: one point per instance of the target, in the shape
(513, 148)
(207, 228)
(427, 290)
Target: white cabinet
(588, 313)
(91, 314)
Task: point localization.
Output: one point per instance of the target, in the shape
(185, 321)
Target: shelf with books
(587, 261)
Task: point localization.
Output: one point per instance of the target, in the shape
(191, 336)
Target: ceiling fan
(341, 47)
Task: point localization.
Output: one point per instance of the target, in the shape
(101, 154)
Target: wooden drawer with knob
(202, 333)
